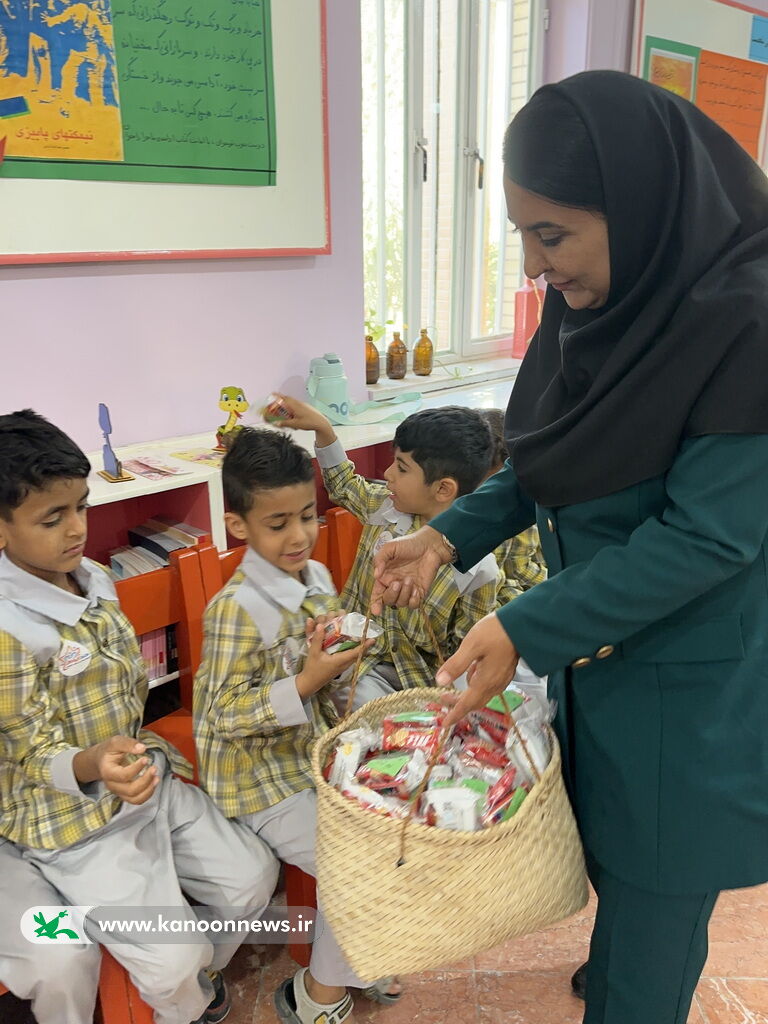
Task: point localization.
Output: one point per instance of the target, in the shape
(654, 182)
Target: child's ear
(236, 525)
(446, 490)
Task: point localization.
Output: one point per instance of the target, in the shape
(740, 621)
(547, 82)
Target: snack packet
(343, 632)
(275, 410)
(412, 730)
(388, 806)
(453, 807)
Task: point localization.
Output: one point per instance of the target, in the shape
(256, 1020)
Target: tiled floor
(527, 982)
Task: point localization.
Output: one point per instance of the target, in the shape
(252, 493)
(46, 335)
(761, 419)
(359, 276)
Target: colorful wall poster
(671, 65)
(732, 92)
(58, 80)
(132, 90)
(758, 40)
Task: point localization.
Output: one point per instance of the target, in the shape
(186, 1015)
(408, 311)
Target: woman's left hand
(489, 658)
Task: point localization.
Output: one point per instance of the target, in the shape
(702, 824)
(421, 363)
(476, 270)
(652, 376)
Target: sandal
(377, 992)
(294, 1006)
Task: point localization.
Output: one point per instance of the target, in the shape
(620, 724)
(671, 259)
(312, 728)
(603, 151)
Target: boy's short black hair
(262, 460)
(495, 420)
(452, 441)
(34, 453)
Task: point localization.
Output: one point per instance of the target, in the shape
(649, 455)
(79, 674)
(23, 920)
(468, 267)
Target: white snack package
(454, 807)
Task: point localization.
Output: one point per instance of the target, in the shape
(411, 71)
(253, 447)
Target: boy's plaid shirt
(522, 563)
(254, 735)
(454, 604)
(48, 711)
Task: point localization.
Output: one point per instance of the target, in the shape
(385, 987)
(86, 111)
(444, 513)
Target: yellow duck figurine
(234, 402)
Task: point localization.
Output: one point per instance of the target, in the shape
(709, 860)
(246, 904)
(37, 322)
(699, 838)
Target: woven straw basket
(457, 893)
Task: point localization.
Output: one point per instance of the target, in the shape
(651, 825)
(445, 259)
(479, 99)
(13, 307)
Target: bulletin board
(715, 53)
(163, 130)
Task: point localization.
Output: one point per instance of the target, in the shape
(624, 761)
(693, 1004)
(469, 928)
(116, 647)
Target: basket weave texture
(457, 893)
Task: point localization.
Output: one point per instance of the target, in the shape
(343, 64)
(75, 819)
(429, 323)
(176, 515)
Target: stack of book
(151, 544)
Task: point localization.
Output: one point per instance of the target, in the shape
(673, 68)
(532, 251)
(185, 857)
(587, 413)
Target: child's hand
(306, 417)
(320, 668)
(133, 781)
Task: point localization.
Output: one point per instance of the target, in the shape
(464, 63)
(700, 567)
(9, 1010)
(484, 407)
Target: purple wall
(155, 341)
(587, 34)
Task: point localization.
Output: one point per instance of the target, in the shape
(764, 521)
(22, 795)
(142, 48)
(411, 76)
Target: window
(441, 80)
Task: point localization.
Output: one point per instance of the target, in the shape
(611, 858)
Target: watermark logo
(114, 925)
(44, 925)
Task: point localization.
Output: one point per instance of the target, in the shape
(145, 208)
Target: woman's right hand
(405, 569)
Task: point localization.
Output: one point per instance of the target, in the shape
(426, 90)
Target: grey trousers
(289, 829)
(177, 840)
(61, 981)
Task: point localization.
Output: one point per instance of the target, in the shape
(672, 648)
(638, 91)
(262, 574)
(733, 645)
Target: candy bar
(276, 410)
(412, 731)
(344, 632)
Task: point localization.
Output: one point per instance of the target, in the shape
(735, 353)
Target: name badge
(291, 655)
(72, 658)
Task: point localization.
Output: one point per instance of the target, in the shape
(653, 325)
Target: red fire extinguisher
(528, 304)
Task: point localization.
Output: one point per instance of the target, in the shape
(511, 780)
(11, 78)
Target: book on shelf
(150, 545)
(183, 532)
(154, 651)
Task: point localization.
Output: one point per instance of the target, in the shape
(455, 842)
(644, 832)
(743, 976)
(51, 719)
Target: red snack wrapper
(493, 724)
(276, 410)
(417, 731)
(385, 771)
(480, 752)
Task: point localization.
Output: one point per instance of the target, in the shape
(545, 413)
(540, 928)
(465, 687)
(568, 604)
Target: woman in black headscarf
(638, 432)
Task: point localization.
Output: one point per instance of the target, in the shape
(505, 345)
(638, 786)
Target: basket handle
(361, 651)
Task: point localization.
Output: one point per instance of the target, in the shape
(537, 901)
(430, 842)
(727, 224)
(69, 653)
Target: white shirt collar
(280, 587)
(387, 515)
(28, 591)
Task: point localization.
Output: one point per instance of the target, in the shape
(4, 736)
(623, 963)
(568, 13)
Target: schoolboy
(520, 558)
(261, 695)
(439, 454)
(79, 798)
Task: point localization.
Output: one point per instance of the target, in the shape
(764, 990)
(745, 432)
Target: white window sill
(447, 375)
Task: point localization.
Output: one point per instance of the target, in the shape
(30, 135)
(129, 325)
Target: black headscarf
(604, 398)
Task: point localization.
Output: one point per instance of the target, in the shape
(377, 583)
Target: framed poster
(714, 53)
(163, 130)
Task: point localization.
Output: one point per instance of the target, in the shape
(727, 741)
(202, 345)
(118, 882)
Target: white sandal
(294, 1005)
(379, 992)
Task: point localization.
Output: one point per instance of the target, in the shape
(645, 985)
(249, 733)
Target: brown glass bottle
(372, 368)
(397, 358)
(423, 355)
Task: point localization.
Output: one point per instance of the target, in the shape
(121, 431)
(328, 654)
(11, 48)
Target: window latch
(475, 153)
(422, 145)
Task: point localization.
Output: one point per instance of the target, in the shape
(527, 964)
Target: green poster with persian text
(138, 90)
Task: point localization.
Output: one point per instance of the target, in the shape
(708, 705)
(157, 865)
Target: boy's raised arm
(344, 485)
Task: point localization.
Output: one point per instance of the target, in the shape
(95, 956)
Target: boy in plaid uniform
(88, 803)
(520, 558)
(439, 454)
(261, 694)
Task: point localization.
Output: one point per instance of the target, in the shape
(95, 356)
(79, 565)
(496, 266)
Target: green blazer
(653, 629)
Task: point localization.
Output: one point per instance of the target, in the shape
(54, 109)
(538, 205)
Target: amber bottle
(397, 358)
(372, 368)
(423, 355)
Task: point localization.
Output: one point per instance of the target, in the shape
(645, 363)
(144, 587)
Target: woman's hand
(405, 569)
(489, 658)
